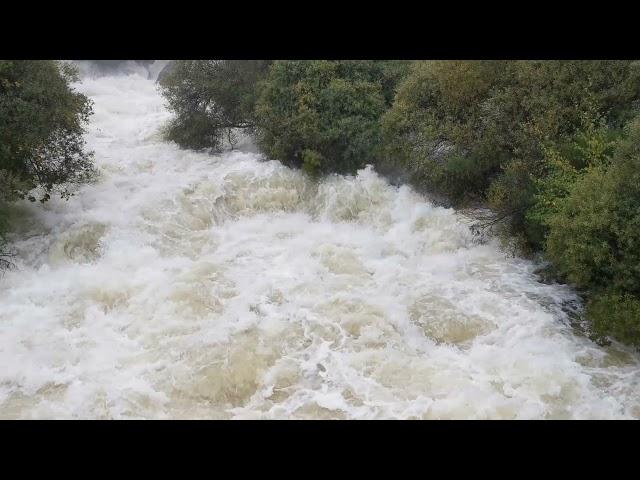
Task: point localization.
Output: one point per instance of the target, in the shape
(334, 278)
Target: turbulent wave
(186, 285)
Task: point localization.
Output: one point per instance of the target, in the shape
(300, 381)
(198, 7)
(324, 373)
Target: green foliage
(511, 196)
(580, 241)
(330, 108)
(437, 128)
(392, 73)
(320, 115)
(615, 315)
(210, 98)
(480, 129)
(41, 127)
(312, 162)
(563, 165)
(594, 239)
(549, 192)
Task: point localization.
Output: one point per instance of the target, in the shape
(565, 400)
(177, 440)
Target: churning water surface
(187, 285)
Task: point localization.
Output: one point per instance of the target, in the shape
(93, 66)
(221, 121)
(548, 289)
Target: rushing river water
(186, 285)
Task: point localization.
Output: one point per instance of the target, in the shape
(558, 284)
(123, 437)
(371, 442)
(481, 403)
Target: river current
(189, 285)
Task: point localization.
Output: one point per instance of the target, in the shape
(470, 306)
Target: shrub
(436, 128)
(594, 238)
(210, 98)
(324, 115)
(617, 316)
(483, 129)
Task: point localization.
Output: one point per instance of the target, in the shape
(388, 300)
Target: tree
(210, 98)
(41, 128)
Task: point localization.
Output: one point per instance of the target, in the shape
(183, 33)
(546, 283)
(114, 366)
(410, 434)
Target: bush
(475, 130)
(211, 98)
(594, 238)
(437, 128)
(324, 115)
(617, 316)
(562, 166)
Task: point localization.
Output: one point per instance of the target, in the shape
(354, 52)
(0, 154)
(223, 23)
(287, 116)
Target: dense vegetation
(321, 115)
(594, 238)
(324, 115)
(41, 126)
(492, 130)
(211, 98)
(553, 147)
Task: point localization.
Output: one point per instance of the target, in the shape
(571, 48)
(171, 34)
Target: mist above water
(186, 285)
(100, 68)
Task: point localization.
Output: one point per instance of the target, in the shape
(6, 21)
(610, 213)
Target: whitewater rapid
(187, 285)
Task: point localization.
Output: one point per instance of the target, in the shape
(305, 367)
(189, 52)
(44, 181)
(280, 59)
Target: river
(189, 285)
